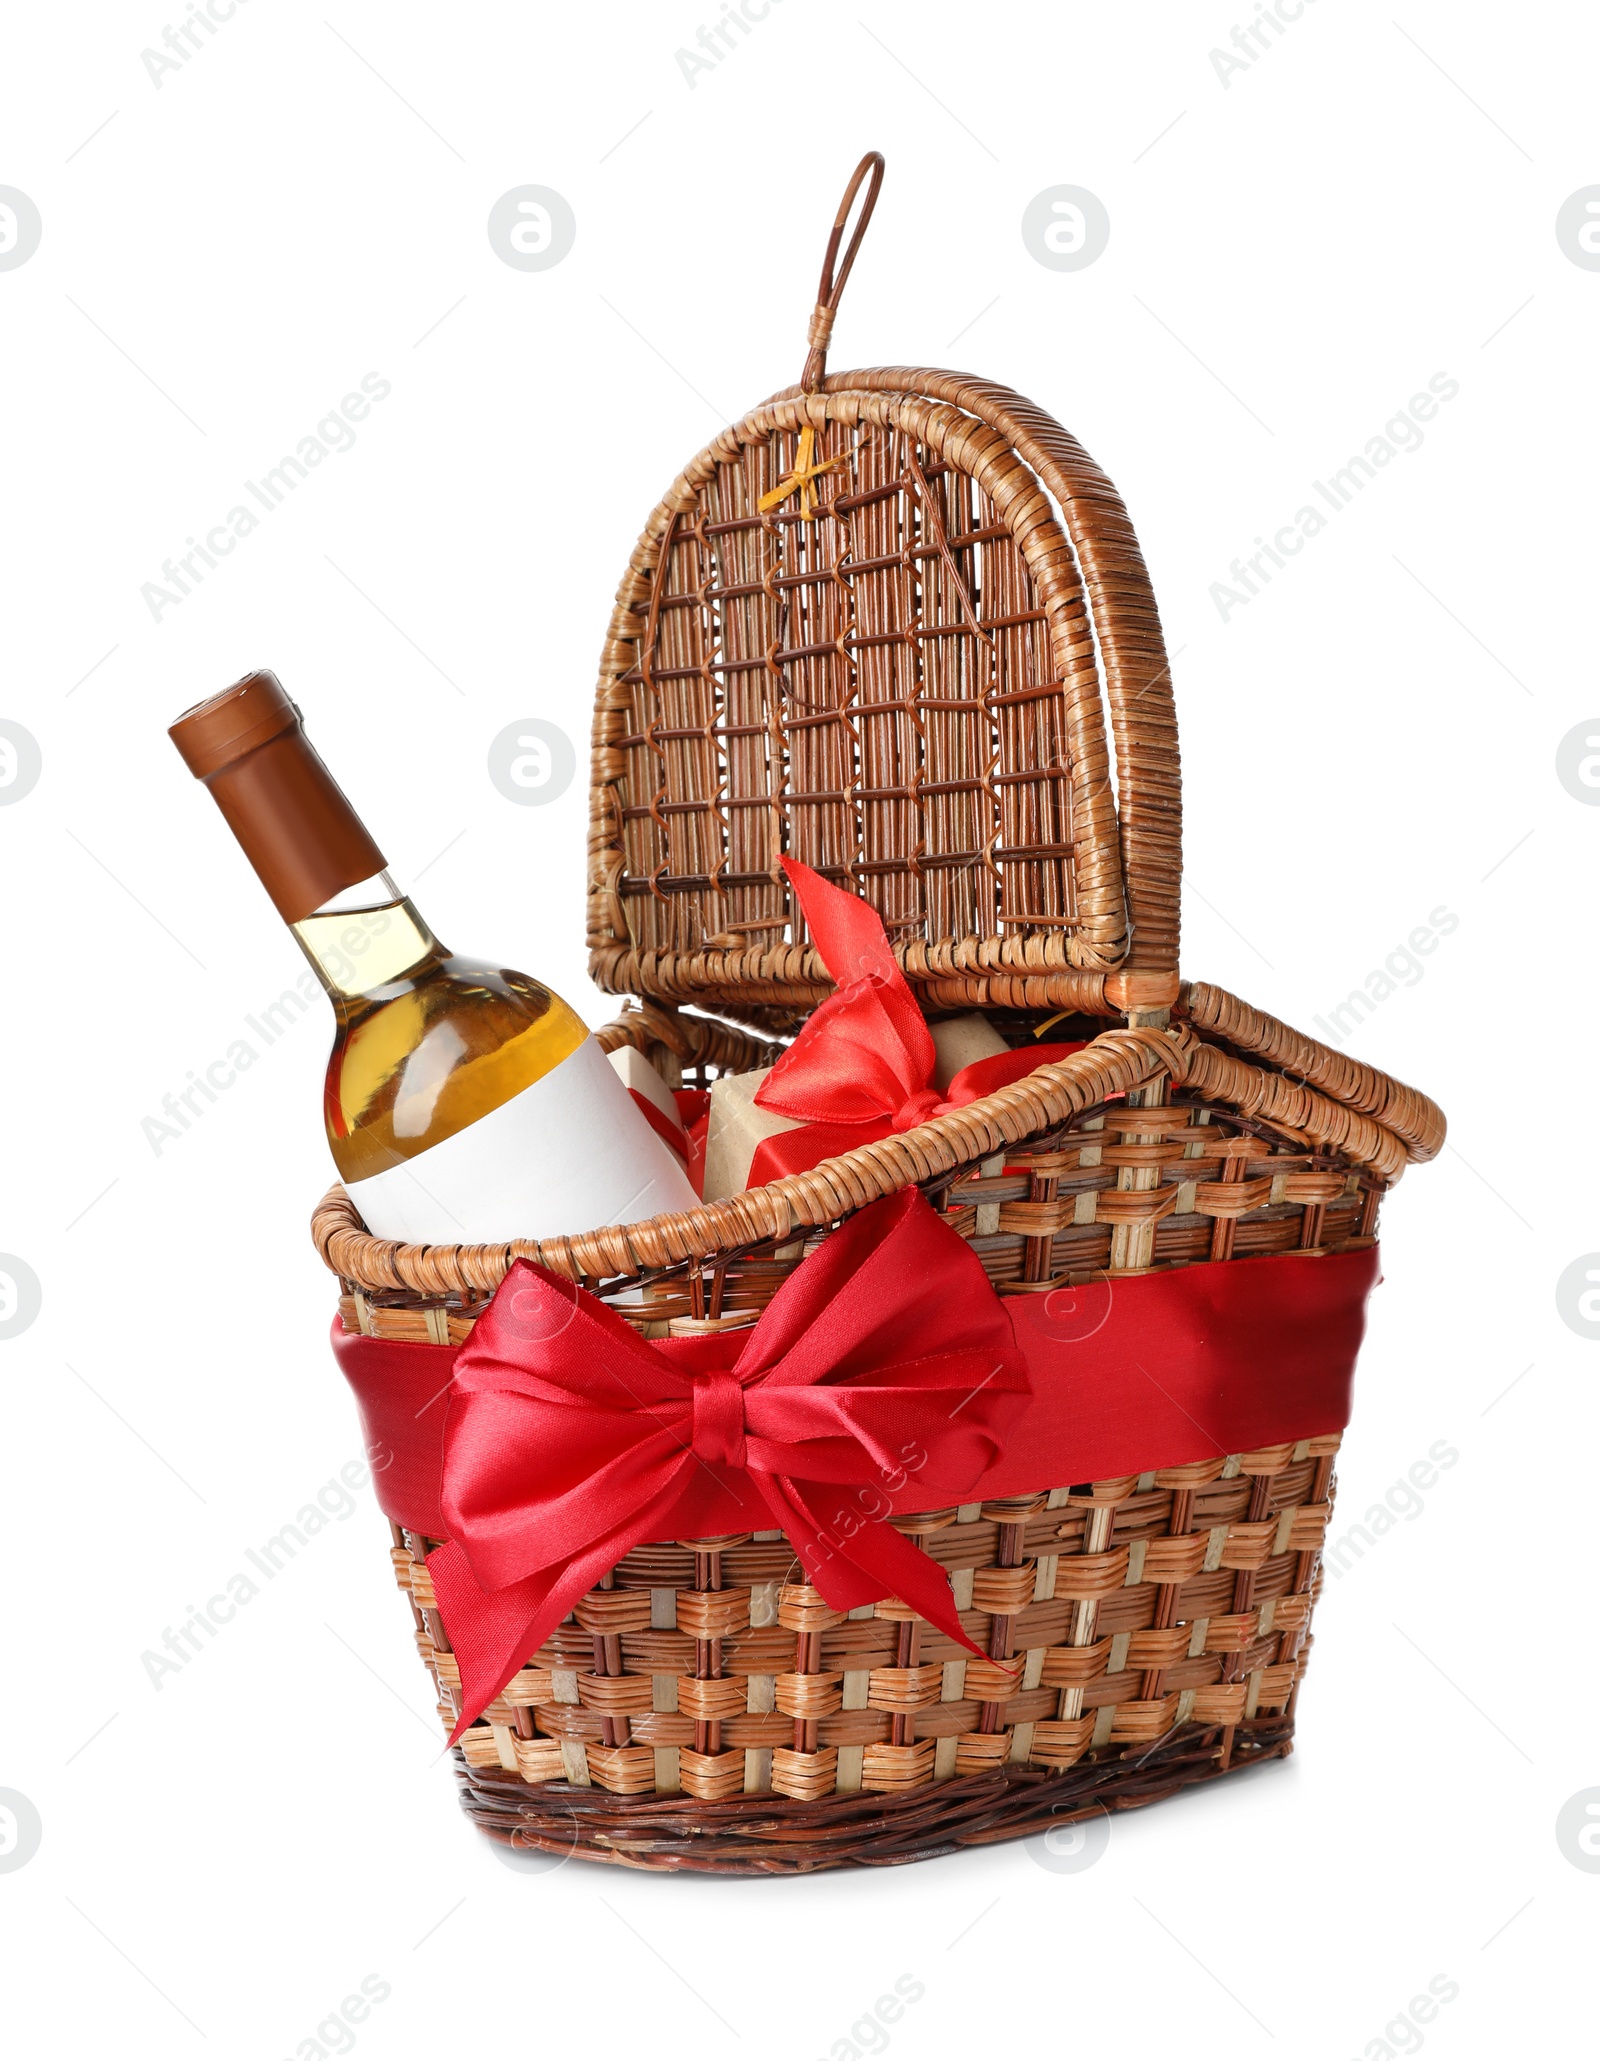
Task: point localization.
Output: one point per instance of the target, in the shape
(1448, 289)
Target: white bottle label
(570, 1153)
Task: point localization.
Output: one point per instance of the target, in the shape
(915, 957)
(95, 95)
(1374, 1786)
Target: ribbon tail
(875, 1562)
(849, 935)
(904, 1570)
(494, 1633)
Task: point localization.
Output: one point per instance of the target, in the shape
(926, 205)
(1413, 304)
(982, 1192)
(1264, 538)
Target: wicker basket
(877, 624)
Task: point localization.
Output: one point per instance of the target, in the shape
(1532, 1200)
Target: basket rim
(1118, 1060)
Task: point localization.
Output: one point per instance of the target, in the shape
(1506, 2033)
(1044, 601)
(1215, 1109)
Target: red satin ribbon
(796, 1420)
(694, 1111)
(862, 1064)
(885, 1376)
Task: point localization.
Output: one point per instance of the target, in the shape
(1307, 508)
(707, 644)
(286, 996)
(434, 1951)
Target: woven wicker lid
(881, 623)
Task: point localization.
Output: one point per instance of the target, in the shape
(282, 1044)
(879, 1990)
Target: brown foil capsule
(280, 801)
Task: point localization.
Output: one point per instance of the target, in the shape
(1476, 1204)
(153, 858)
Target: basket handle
(831, 286)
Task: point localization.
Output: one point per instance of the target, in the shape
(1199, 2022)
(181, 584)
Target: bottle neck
(289, 814)
(367, 937)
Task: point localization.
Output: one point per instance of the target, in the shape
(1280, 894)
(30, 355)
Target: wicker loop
(820, 329)
(832, 284)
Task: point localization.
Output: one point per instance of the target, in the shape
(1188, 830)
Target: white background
(1293, 254)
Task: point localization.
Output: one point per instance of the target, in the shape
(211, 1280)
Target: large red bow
(1151, 1371)
(862, 1065)
(883, 1359)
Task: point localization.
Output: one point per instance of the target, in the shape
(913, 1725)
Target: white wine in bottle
(464, 1102)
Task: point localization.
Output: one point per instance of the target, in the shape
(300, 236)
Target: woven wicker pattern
(771, 1835)
(1132, 653)
(677, 1044)
(1113, 1614)
(1138, 1634)
(1416, 1120)
(874, 681)
(837, 673)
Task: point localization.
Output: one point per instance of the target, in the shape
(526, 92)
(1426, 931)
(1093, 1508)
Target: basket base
(772, 1835)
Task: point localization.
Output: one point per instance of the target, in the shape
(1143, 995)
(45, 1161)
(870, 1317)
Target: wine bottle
(464, 1102)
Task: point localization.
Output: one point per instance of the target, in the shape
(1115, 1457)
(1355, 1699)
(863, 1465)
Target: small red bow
(884, 1361)
(862, 1065)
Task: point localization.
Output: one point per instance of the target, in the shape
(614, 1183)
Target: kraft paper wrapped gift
(735, 1127)
(961, 1041)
